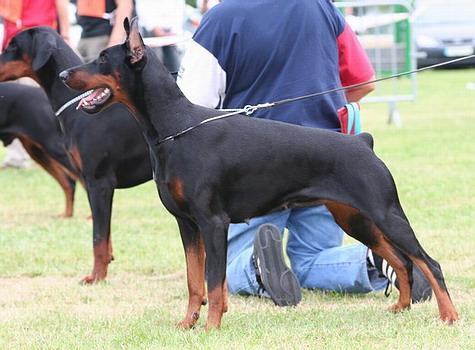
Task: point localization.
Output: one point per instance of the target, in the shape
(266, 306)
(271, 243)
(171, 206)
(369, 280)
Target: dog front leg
(195, 271)
(100, 200)
(215, 239)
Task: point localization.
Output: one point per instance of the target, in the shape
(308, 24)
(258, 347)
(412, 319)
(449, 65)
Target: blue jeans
(314, 248)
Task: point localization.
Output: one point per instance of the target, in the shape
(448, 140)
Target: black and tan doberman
(26, 114)
(109, 151)
(235, 168)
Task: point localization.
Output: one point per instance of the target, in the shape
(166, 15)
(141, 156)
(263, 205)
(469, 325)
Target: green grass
(42, 258)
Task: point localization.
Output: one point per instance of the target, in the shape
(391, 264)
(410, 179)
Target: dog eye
(102, 58)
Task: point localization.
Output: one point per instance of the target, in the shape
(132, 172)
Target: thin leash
(73, 101)
(69, 103)
(250, 109)
(349, 87)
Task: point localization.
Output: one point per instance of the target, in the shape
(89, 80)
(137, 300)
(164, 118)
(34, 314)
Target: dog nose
(64, 75)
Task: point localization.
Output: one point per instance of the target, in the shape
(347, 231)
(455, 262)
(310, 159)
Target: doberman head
(108, 78)
(27, 53)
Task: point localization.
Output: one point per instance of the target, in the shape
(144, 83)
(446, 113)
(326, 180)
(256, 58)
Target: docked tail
(367, 138)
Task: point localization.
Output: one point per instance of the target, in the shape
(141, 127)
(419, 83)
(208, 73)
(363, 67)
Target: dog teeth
(82, 103)
(86, 103)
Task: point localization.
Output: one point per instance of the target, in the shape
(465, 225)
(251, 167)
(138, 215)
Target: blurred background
(398, 35)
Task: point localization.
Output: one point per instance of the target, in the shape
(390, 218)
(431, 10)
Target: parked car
(444, 30)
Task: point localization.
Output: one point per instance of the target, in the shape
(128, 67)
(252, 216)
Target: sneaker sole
(278, 279)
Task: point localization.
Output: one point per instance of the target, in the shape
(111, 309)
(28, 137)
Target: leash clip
(249, 109)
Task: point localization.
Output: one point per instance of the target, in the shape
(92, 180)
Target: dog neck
(62, 58)
(160, 104)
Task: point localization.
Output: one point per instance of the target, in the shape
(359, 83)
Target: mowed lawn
(42, 258)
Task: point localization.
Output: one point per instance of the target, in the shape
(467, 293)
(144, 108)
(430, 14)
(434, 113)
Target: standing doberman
(235, 168)
(109, 151)
(26, 114)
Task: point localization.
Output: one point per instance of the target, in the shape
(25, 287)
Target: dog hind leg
(408, 243)
(214, 230)
(363, 229)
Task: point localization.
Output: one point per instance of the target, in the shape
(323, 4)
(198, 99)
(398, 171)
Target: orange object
(22, 14)
(91, 8)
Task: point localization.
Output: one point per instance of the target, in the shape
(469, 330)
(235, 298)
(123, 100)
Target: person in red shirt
(20, 15)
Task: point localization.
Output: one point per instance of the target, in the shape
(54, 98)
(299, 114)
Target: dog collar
(74, 100)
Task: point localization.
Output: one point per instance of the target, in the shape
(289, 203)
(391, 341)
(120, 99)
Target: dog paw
(449, 317)
(185, 324)
(93, 279)
(398, 307)
(189, 321)
(88, 280)
(63, 216)
(212, 326)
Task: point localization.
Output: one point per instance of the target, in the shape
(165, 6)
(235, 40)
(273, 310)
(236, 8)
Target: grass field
(42, 258)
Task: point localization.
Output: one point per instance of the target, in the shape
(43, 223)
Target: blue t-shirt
(276, 49)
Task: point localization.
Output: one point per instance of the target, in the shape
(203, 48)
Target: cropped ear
(134, 43)
(127, 26)
(44, 44)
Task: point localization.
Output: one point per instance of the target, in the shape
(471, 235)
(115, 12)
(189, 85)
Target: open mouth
(95, 100)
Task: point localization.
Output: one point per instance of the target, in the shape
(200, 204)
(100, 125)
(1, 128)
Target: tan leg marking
(102, 259)
(378, 242)
(195, 270)
(447, 310)
(54, 168)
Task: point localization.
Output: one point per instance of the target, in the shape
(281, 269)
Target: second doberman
(108, 152)
(26, 114)
(236, 168)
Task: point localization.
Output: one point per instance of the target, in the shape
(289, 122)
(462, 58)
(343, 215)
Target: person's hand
(66, 38)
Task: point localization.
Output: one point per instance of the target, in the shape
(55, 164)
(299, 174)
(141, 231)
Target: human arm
(63, 18)
(356, 94)
(201, 78)
(124, 9)
(355, 66)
